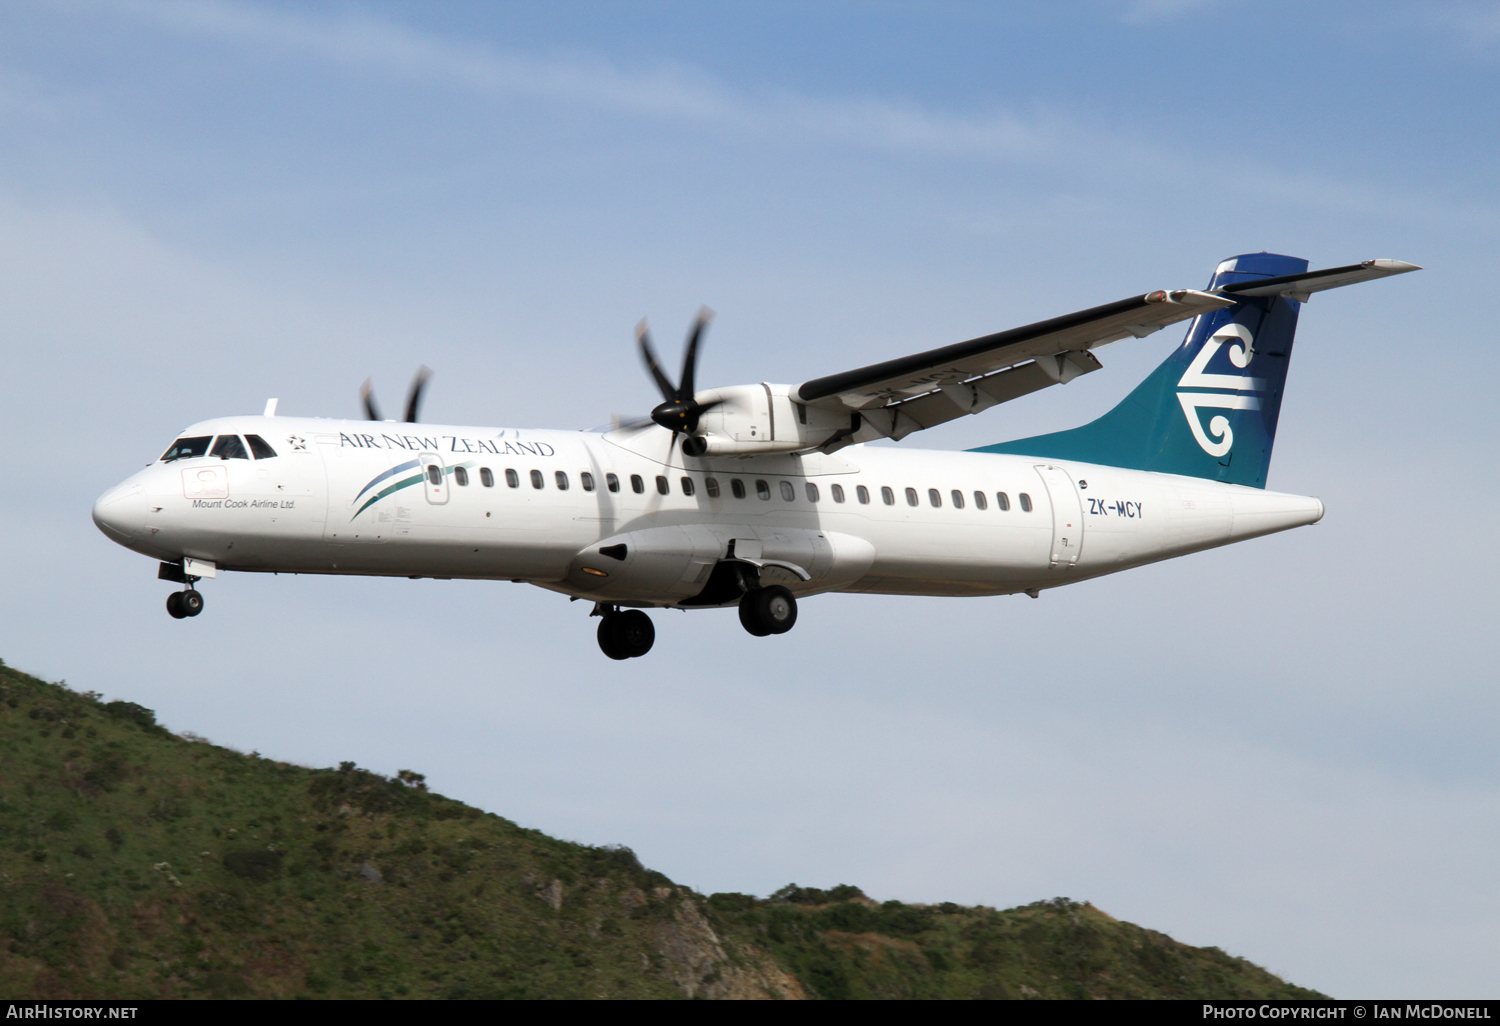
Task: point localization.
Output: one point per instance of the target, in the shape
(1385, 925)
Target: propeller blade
(414, 397)
(367, 399)
(619, 423)
(690, 355)
(643, 339)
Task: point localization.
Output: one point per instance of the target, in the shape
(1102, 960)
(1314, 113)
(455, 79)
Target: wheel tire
(610, 642)
(192, 602)
(174, 605)
(749, 618)
(769, 610)
(636, 632)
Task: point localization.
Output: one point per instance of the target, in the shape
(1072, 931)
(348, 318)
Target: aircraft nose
(121, 512)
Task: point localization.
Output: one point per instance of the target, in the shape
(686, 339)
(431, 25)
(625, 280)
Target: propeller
(413, 396)
(679, 412)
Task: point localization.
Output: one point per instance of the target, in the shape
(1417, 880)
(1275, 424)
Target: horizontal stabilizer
(1300, 286)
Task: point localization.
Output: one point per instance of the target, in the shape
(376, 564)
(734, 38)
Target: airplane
(760, 495)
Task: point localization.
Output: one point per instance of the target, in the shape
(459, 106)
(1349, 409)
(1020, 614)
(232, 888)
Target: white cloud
(1140, 11)
(675, 93)
(1475, 23)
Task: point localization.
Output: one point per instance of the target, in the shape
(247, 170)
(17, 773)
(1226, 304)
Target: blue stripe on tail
(1210, 410)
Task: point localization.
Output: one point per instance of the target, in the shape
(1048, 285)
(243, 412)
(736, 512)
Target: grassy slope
(134, 863)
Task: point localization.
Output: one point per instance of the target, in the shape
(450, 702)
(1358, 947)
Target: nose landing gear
(768, 610)
(624, 635)
(184, 603)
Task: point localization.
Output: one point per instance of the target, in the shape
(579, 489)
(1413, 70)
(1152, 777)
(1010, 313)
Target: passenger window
(812, 492)
(711, 485)
(762, 491)
(229, 447)
(887, 495)
(259, 448)
(862, 494)
(536, 479)
(612, 482)
(586, 481)
(487, 477)
(186, 448)
(562, 480)
(434, 474)
(911, 496)
(687, 487)
(1003, 501)
(637, 485)
(980, 502)
(935, 497)
(958, 499)
(737, 488)
(837, 491)
(512, 478)
(461, 477)
(787, 491)
(661, 485)
(1025, 503)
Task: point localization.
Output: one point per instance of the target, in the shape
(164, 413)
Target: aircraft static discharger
(760, 495)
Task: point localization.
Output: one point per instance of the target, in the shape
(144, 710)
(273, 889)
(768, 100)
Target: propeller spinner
(413, 396)
(679, 413)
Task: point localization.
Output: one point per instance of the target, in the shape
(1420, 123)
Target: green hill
(135, 863)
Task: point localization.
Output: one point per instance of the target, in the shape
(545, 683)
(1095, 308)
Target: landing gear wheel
(174, 605)
(626, 635)
(769, 610)
(191, 602)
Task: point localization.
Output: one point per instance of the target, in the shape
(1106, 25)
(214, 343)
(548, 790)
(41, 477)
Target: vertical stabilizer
(1210, 410)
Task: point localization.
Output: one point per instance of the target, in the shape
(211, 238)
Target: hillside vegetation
(135, 863)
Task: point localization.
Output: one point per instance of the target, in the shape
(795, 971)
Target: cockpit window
(229, 447)
(184, 448)
(259, 447)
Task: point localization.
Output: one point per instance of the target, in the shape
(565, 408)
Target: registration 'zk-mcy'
(758, 496)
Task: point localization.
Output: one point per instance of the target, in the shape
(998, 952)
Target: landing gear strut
(768, 610)
(625, 635)
(184, 603)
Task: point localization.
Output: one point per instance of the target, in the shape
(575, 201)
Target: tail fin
(1210, 410)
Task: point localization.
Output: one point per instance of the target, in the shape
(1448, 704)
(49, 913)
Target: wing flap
(958, 400)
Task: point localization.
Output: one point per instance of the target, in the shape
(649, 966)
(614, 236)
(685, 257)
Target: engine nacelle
(764, 418)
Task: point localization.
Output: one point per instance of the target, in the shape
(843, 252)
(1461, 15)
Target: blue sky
(1285, 748)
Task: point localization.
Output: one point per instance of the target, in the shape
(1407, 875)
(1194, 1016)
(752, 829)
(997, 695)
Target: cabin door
(434, 479)
(1067, 516)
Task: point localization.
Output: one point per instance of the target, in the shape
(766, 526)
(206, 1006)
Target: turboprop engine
(746, 420)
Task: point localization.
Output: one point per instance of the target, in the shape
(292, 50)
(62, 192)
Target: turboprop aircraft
(759, 495)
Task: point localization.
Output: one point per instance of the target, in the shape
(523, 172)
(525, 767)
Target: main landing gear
(625, 635)
(768, 610)
(629, 633)
(185, 603)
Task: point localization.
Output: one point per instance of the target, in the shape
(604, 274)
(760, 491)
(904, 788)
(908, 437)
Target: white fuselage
(328, 503)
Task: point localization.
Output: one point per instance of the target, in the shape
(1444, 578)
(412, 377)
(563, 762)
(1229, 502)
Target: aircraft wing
(908, 394)
(926, 389)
